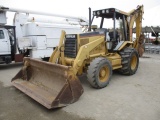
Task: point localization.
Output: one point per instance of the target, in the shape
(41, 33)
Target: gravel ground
(134, 97)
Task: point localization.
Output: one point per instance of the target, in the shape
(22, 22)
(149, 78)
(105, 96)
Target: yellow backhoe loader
(96, 53)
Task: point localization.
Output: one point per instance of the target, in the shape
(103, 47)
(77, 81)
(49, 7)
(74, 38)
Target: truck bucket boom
(52, 85)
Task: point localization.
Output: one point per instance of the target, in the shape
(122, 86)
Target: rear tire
(130, 61)
(99, 72)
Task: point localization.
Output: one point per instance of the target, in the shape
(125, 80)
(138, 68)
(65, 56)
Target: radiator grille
(70, 48)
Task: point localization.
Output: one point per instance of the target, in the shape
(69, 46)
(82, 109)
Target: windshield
(107, 23)
(110, 25)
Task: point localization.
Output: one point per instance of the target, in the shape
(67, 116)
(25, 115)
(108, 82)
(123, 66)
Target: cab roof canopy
(109, 12)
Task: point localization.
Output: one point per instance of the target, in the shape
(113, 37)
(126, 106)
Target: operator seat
(111, 35)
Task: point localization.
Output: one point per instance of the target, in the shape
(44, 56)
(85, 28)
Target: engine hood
(98, 32)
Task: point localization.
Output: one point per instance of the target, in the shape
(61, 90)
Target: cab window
(1, 34)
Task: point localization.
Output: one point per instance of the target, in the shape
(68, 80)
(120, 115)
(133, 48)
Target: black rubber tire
(93, 72)
(127, 55)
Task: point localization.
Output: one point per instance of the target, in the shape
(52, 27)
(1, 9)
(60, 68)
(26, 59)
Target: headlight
(98, 12)
(107, 11)
(103, 11)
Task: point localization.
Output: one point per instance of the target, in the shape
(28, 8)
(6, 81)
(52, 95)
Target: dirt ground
(134, 97)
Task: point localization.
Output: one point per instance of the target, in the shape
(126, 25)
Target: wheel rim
(104, 74)
(133, 62)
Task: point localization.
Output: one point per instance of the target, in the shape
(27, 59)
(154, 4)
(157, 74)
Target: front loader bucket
(52, 85)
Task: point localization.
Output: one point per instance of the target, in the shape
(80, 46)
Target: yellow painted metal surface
(115, 60)
(126, 43)
(133, 62)
(84, 51)
(104, 73)
(37, 78)
(56, 54)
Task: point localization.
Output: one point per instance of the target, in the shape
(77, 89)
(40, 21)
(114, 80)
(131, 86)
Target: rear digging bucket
(52, 85)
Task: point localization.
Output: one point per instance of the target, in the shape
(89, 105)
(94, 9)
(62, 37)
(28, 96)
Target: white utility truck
(33, 37)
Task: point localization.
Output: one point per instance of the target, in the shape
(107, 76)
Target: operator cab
(113, 23)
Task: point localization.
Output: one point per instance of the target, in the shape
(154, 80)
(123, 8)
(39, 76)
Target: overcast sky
(80, 7)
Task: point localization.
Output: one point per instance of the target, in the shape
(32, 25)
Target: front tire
(99, 72)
